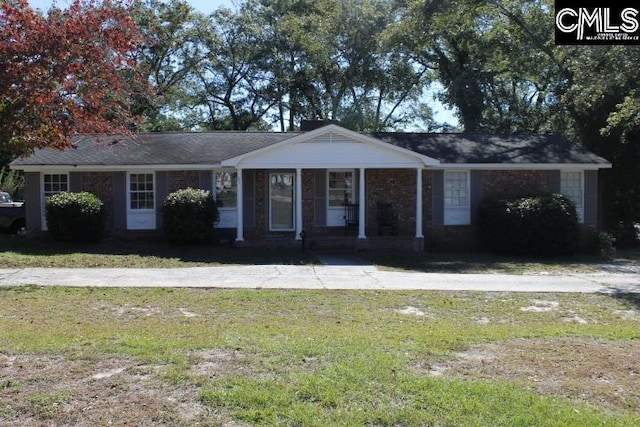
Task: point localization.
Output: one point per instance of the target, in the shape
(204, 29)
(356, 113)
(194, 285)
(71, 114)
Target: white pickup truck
(11, 214)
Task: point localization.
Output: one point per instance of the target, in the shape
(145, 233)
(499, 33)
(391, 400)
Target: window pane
(571, 186)
(141, 191)
(455, 189)
(226, 189)
(340, 188)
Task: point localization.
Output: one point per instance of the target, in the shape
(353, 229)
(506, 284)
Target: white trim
(297, 191)
(240, 208)
(356, 165)
(362, 234)
(524, 166)
(117, 168)
(419, 231)
(141, 219)
(457, 215)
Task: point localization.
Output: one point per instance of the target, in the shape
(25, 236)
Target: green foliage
(75, 217)
(606, 245)
(12, 182)
(189, 216)
(543, 226)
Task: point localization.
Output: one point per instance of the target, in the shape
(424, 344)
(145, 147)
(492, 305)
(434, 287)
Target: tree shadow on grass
(152, 252)
(632, 299)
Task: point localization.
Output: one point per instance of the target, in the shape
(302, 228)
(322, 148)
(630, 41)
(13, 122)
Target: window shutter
(437, 198)
(476, 193)
(554, 181)
(161, 183)
(75, 182)
(206, 180)
(119, 198)
(591, 197)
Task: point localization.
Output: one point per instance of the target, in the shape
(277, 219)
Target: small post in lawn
(303, 236)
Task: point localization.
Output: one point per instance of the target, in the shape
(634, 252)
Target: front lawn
(200, 357)
(18, 252)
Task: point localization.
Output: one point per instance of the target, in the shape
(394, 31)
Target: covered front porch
(329, 187)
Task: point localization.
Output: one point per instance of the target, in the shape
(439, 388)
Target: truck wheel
(18, 227)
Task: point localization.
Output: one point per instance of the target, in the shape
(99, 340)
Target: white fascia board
(525, 166)
(307, 136)
(114, 168)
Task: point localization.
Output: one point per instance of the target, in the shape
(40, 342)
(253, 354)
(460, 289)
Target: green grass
(18, 252)
(308, 358)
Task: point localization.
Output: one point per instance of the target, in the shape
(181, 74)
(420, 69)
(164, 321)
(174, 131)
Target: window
(340, 188)
(456, 198)
(226, 184)
(456, 191)
(571, 186)
(55, 183)
(141, 193)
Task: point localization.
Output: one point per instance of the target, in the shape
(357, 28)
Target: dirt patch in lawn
(44, 390)
(603, 373)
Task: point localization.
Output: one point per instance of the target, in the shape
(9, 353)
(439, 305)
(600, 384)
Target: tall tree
(173, 48)
(71, 71)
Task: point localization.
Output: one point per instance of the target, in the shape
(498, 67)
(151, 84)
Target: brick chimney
(307, 125)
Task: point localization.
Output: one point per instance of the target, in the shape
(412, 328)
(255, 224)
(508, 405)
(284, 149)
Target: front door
(281, 201)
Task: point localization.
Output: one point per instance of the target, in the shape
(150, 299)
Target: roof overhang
(331, 147)
(526, 166)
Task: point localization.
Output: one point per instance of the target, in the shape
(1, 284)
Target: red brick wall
(396, 186)
(308, 185)
(100, 184)
(514, 183)
(178, 180)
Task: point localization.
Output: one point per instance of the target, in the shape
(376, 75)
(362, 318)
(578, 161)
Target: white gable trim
(330, 147)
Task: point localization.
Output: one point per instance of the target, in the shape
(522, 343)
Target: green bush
(189, 216)
(543, 225)
(76, 217)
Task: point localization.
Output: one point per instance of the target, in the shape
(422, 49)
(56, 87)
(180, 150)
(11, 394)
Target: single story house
(327, 184)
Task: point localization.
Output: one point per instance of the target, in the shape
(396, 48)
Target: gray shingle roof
(483, 149)
(212, 147)
(207, 148)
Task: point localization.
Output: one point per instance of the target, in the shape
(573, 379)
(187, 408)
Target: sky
(441, 114)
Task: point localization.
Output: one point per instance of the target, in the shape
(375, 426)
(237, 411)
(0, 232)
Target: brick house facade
(273, 187)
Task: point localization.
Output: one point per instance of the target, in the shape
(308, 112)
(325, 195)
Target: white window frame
(153, 190)
(564, 191)
(45, 194)
(354, 195)
(457, 214)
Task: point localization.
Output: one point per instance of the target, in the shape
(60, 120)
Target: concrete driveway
(336, 275)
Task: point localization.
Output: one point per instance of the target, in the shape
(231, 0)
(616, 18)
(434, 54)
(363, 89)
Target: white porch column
(239, 209)
(362, 206)
(419, 234)
(298, 203)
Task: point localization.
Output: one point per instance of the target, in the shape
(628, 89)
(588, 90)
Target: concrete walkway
(337, 275)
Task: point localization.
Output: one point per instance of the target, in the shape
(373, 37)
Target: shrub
(76, 217)
(606, 245)
(189, 216)
(544, 225)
